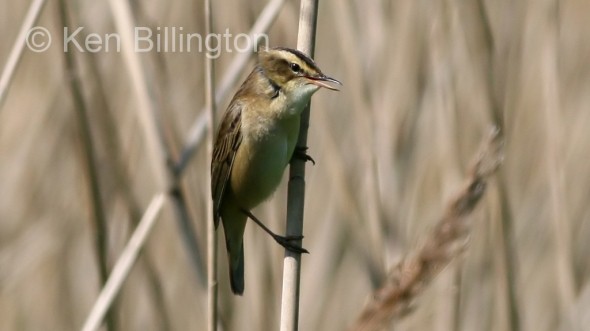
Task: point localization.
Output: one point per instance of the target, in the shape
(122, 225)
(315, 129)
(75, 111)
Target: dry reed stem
(406, 280)
(211, 233)
(562, 231)
(124, 264)
(197, 131)
(148, 116)
(18, 48)
(90, 164)
(372, 226)
(45, 273)
(158, 153)
(506, 249)
(296, 189)
(146, 107)
(228, 83)
(124, 186)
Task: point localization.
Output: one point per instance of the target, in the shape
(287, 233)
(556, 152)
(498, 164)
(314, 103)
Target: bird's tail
(234, 224)
(235, 255)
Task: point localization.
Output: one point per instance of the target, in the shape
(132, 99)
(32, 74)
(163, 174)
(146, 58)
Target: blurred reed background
(424, 81)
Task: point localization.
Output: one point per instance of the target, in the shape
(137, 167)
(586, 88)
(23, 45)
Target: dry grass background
(423, 83)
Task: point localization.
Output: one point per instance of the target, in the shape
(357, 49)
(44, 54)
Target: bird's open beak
(323, 80)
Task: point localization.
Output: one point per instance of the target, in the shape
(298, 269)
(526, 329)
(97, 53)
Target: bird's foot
(289, 243)
(301, 153)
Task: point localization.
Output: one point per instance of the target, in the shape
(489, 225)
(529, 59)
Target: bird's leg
(301, 153)
(285, 241)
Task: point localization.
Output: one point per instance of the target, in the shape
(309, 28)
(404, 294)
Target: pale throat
(298, 99)
(285, 113)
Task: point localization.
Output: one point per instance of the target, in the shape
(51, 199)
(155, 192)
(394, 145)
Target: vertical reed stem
(211, 237)
(296, 190)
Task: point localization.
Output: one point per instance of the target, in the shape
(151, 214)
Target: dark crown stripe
(301, 56)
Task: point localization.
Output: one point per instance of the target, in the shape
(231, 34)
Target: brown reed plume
(408, 278)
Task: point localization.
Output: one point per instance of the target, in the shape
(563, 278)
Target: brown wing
(228, 140)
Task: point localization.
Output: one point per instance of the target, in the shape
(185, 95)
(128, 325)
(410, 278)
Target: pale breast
(261, 161)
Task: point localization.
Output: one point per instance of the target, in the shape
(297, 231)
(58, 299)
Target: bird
(255, 142)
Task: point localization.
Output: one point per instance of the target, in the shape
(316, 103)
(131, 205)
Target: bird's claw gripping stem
(288, 243)
(301, 153)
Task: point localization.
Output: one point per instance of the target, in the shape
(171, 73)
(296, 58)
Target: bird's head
(293, 72)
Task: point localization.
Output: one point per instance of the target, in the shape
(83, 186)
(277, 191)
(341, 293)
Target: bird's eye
(295, 67)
